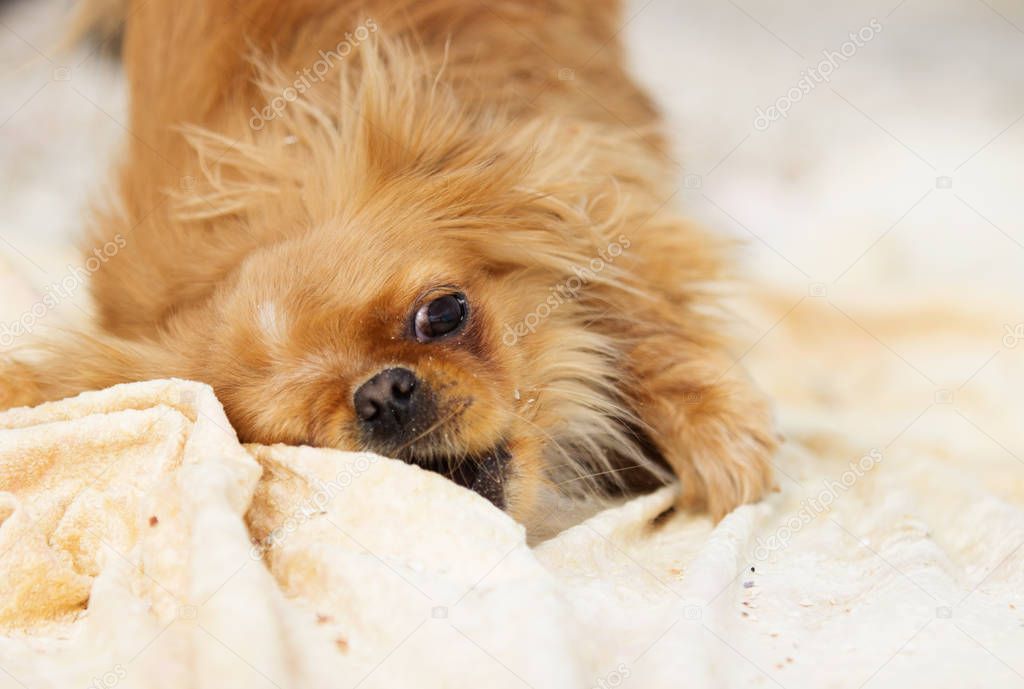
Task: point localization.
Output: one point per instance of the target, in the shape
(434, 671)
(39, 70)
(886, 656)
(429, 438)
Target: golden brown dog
(436, 229)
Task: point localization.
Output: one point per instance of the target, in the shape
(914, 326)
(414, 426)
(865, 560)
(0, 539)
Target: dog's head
(380, 338)
(414, 278)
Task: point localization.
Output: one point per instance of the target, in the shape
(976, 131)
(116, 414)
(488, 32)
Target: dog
(438, 230)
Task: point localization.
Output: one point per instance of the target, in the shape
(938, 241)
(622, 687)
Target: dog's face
(388, 341)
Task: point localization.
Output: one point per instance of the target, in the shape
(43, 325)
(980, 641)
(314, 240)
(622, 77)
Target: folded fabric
(141, 545)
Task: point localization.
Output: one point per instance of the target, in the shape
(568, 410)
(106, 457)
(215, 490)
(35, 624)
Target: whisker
(601, 473)
(433, 427)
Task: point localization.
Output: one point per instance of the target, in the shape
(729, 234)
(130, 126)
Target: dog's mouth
(484, 473)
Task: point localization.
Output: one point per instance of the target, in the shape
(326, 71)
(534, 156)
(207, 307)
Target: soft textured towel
(143, 546)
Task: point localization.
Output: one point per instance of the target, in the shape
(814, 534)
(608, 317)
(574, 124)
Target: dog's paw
(725, 444)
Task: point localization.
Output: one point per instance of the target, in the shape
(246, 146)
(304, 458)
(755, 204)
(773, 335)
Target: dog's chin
(485, 473)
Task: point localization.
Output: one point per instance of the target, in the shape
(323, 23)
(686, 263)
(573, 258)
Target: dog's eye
(440, 317)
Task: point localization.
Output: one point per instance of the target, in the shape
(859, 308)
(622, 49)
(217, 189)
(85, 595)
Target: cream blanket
(142, 546)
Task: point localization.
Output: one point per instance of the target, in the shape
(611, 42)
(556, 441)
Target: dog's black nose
(389, 403)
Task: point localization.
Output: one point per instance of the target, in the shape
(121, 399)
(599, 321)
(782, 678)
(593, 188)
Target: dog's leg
(711, 425)
(50, 370)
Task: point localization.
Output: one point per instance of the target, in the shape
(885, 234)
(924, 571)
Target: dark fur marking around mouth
(484, 474)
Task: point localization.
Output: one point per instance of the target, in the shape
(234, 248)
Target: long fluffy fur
(260, 261)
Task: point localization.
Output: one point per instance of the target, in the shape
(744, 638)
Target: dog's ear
(61, 367)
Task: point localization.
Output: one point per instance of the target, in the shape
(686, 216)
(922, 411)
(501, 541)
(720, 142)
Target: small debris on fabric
(153, 521)
(748, 584)
(342, 645)
(806, 602)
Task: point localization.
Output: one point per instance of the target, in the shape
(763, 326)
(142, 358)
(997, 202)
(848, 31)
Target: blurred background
(900, 167)
(912, 146)
(868, 154)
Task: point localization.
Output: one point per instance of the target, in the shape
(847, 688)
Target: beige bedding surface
(142, 544)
